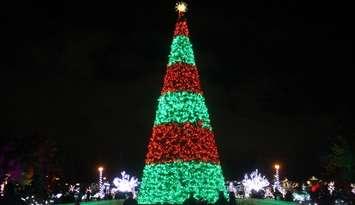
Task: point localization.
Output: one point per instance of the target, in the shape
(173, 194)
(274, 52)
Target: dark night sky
(277, 76)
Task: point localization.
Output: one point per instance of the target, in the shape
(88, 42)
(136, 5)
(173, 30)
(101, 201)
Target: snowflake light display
(254, 182)
(74, 188)
(125, 184)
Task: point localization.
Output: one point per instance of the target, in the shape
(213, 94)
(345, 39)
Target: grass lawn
(263, 202)
(109, 202)
(242, 202)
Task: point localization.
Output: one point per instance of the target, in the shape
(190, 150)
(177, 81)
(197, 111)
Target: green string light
(181, 107)
(181, 51)
(172, 182)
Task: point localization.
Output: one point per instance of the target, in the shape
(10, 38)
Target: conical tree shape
(182, 155)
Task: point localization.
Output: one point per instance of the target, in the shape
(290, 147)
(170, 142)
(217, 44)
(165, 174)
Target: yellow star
(181, 7)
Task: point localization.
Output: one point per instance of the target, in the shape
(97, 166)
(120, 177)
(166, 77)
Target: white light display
(277, 177)
(289, 185)
(304, 187)
(101, 169)
(235, 187)
(74, 189)
(125, 184)
(254, 182)
(331, 187)
(301, 197)
(352, 188)
(58, 195)
(276, 185)
(2, 188)
(3, 184)
(231, 188)
(98, 195)
(268, 193)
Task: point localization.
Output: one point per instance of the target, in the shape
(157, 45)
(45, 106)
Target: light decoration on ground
(235, 187)
(254, 182)
(182, 154)
(304, 188)
(59, 195)
(98, 195)
(232, 188)
(301, 197)
(126, 183)
(315, 187)
(87, 194)
(313, 179)
(289, 186)
(107, 189)
(2, 188)
(352, 186)
(3, 184)
(74, 189)
(331, 187)
(268, 193)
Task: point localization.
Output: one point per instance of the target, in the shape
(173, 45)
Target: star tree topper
(181, 7)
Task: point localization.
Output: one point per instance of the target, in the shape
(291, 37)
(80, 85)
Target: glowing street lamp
(277, 177)
(101, 169)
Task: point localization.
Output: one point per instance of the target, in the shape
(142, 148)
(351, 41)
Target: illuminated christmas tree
(182, 155)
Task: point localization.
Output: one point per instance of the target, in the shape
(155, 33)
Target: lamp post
(101, 169)
(277, 177)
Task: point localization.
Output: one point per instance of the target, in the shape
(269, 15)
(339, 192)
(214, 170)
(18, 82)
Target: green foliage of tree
(339, 163)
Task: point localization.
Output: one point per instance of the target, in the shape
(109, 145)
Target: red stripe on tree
(181, 142)
(182, 77)
(181, 27)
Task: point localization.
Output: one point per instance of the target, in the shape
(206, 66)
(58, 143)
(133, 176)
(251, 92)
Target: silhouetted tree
(339, 162)
(10, 165)
(30, 161)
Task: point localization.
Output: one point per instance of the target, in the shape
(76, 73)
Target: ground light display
(182, 154)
